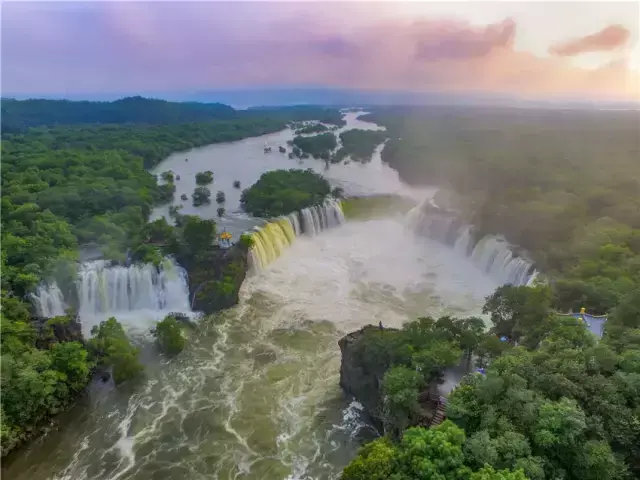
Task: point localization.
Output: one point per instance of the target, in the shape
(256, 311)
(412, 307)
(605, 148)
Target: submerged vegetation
(280, 192)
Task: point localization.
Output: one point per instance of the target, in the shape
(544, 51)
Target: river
(255, 395)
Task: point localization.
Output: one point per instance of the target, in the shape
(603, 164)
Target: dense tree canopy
(560, 405)
(311, 128)
(438, 452)
(359, 145)
(169, 335)
(318, 146)
(283, 191)
(204, 178)
(46, 365)
(21, 114)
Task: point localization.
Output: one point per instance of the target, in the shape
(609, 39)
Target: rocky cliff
(361, 370)
(57, 330)
(215, 277)
(366, 357)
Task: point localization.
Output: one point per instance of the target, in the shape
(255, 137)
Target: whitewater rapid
(256, 396)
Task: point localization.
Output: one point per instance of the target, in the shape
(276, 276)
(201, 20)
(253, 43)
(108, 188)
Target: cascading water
(492, 254)
(104, 289)
(127, 293)
(48, 301)
(274, 237)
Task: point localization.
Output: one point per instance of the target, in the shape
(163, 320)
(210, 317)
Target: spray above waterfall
(491, 254)
(273, 238)
(117, 289)
(48, 301)
(130, 293)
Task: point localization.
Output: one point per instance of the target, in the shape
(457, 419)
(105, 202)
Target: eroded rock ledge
(360, 376)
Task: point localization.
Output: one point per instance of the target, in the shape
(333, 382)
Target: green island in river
(540, 396)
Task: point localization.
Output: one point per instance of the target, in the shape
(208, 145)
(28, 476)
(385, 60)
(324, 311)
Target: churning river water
(255, 395)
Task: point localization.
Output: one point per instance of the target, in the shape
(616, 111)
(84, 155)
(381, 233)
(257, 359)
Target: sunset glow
(528, 49)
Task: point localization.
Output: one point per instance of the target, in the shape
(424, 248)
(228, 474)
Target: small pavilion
(595, 323)
(224, 239)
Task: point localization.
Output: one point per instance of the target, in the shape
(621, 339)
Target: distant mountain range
(19, 115)
(276, 96)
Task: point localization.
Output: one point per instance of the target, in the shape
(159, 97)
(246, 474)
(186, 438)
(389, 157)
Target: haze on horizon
(528, 49)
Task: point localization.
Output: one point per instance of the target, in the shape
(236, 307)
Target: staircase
(441, 412)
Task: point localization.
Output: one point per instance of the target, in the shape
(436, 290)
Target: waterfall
(113, 290)
(273, 238)
(492, 254)
(48, 301)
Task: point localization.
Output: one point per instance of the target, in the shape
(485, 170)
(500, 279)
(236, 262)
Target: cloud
(456, 41)
(607, 39)
(91, 47)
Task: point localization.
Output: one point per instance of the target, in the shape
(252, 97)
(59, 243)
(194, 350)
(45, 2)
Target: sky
(528, 49)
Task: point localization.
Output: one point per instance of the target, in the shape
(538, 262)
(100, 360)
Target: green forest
(559, 405)
(280, 192)
(359, 145)
(318, 146)
(71, 177)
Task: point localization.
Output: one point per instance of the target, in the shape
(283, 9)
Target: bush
(168, 176)
(246, 241)
(236, 184)
(201, 196)
(220, 197)
(170, 336)
(220, 211)
(280, 192)
(184, 197)
(204, 178)
(111, 347)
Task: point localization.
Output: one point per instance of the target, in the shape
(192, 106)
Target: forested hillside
(18, 115)
(562, 184)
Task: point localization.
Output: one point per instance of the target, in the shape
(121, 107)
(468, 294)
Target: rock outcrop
(361, 377)
(215, 278)
(57, 330)
(364, 363)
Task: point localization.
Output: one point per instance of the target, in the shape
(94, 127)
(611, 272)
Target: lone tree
(170, 336)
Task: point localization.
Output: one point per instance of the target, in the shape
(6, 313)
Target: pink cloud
(609, 38)
(160, 46)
